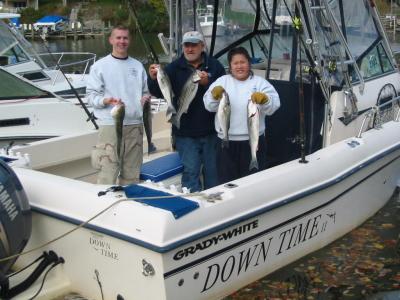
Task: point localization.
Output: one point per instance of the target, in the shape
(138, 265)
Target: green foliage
(30, 15)
(383, 6)
(159, 7)
(153, 16)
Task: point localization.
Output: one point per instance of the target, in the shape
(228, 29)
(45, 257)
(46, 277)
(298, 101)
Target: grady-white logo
(215, 239)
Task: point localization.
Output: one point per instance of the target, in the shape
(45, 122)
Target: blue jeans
(197, 152)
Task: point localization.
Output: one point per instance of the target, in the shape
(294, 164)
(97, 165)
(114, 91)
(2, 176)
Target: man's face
(119, 41)
(192, 51)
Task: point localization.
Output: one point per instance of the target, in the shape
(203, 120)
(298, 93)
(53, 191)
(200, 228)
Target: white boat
(206, 21)
(50, 24)
(29, 113)
(18, 56)
(101, 243)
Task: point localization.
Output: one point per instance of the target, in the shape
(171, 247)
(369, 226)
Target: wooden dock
(74, 31)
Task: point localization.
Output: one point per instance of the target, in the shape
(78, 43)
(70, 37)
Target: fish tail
(253, 164)
(170, 113)
(176, 121)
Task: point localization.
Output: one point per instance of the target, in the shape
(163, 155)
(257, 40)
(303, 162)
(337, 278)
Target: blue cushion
(161, 168)
(178, 206)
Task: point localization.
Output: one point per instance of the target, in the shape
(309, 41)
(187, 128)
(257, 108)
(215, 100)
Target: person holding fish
(241, 100)
(117, 90)
(182, 84)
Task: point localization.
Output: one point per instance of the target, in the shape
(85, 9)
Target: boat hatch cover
(178, 206)
(161, 168)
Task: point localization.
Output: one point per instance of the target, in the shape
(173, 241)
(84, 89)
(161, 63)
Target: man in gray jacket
(118, 79)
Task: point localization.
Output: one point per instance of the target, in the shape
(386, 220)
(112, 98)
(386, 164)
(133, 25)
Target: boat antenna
(302, 138)
(150, 50)
(91, 116)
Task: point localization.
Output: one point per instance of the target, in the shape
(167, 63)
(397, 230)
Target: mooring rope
(94, 217)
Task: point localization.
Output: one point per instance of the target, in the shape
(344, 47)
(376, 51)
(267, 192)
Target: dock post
(32, 31)
(75, 30)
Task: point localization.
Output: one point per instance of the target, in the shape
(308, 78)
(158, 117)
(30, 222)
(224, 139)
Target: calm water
(98, 45)
(365, 261)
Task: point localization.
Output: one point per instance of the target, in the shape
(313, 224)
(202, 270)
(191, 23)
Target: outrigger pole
(91, 116)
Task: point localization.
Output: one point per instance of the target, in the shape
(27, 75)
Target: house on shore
(16, 5)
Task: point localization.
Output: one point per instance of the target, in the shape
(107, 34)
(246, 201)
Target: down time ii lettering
(271, 246)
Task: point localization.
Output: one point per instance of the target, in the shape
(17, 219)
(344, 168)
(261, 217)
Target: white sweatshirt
(125, 79)
(239, 93)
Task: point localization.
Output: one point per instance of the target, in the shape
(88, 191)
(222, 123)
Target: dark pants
(233, 162)
(198, 154)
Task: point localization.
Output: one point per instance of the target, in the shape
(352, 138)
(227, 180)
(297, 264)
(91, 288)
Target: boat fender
(15, 217)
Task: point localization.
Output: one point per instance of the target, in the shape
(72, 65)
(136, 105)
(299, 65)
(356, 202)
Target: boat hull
(259, 226)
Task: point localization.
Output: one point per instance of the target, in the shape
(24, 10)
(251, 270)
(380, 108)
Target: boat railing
(374, 115)
(68, 62)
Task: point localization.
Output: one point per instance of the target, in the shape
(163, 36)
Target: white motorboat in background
(28, 113)
(18, 56)
(335, 163)
(206, 19)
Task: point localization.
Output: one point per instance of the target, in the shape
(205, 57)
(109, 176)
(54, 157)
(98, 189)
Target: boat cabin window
(15, 47)
(12, 87)
(14, 55)
(375, 62)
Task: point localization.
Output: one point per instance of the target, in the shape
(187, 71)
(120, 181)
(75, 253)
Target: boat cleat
(213, 197)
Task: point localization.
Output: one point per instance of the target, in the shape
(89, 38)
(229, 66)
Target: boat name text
(103, 248)
(215, 240)
(266, 248)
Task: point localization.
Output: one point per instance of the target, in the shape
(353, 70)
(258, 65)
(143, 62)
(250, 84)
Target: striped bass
(188, 93)
(166, 89)
(224, 117)
(147, 123)
(118, 113)
(253, 121)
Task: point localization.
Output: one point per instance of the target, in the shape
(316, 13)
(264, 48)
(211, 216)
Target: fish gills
(253, 120)
(224, 117)
(188, 93)
(166, 89)
(118, 113)
(147, 122)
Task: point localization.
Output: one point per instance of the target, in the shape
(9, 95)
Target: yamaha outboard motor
(15, 217)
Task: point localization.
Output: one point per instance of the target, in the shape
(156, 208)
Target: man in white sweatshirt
(114, 80)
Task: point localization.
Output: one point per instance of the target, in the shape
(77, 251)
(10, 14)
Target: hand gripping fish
(188, 92)
(147, 122)
(253, 120)
(118, 113)
(224, 117)
(165, 86)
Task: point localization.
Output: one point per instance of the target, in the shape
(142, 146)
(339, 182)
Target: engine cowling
(15, 217)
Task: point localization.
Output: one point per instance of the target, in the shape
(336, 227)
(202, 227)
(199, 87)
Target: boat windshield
(345, 36)
(14, 48)
(12, 87)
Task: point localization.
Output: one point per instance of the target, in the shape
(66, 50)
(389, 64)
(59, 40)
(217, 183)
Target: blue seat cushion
(178, 206)
(161, 168)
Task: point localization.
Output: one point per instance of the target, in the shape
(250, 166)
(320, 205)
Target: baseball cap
(192, 37)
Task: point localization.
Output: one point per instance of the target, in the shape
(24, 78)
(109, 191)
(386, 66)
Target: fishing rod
(302, 124)
(91, 116)
(149, 48)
